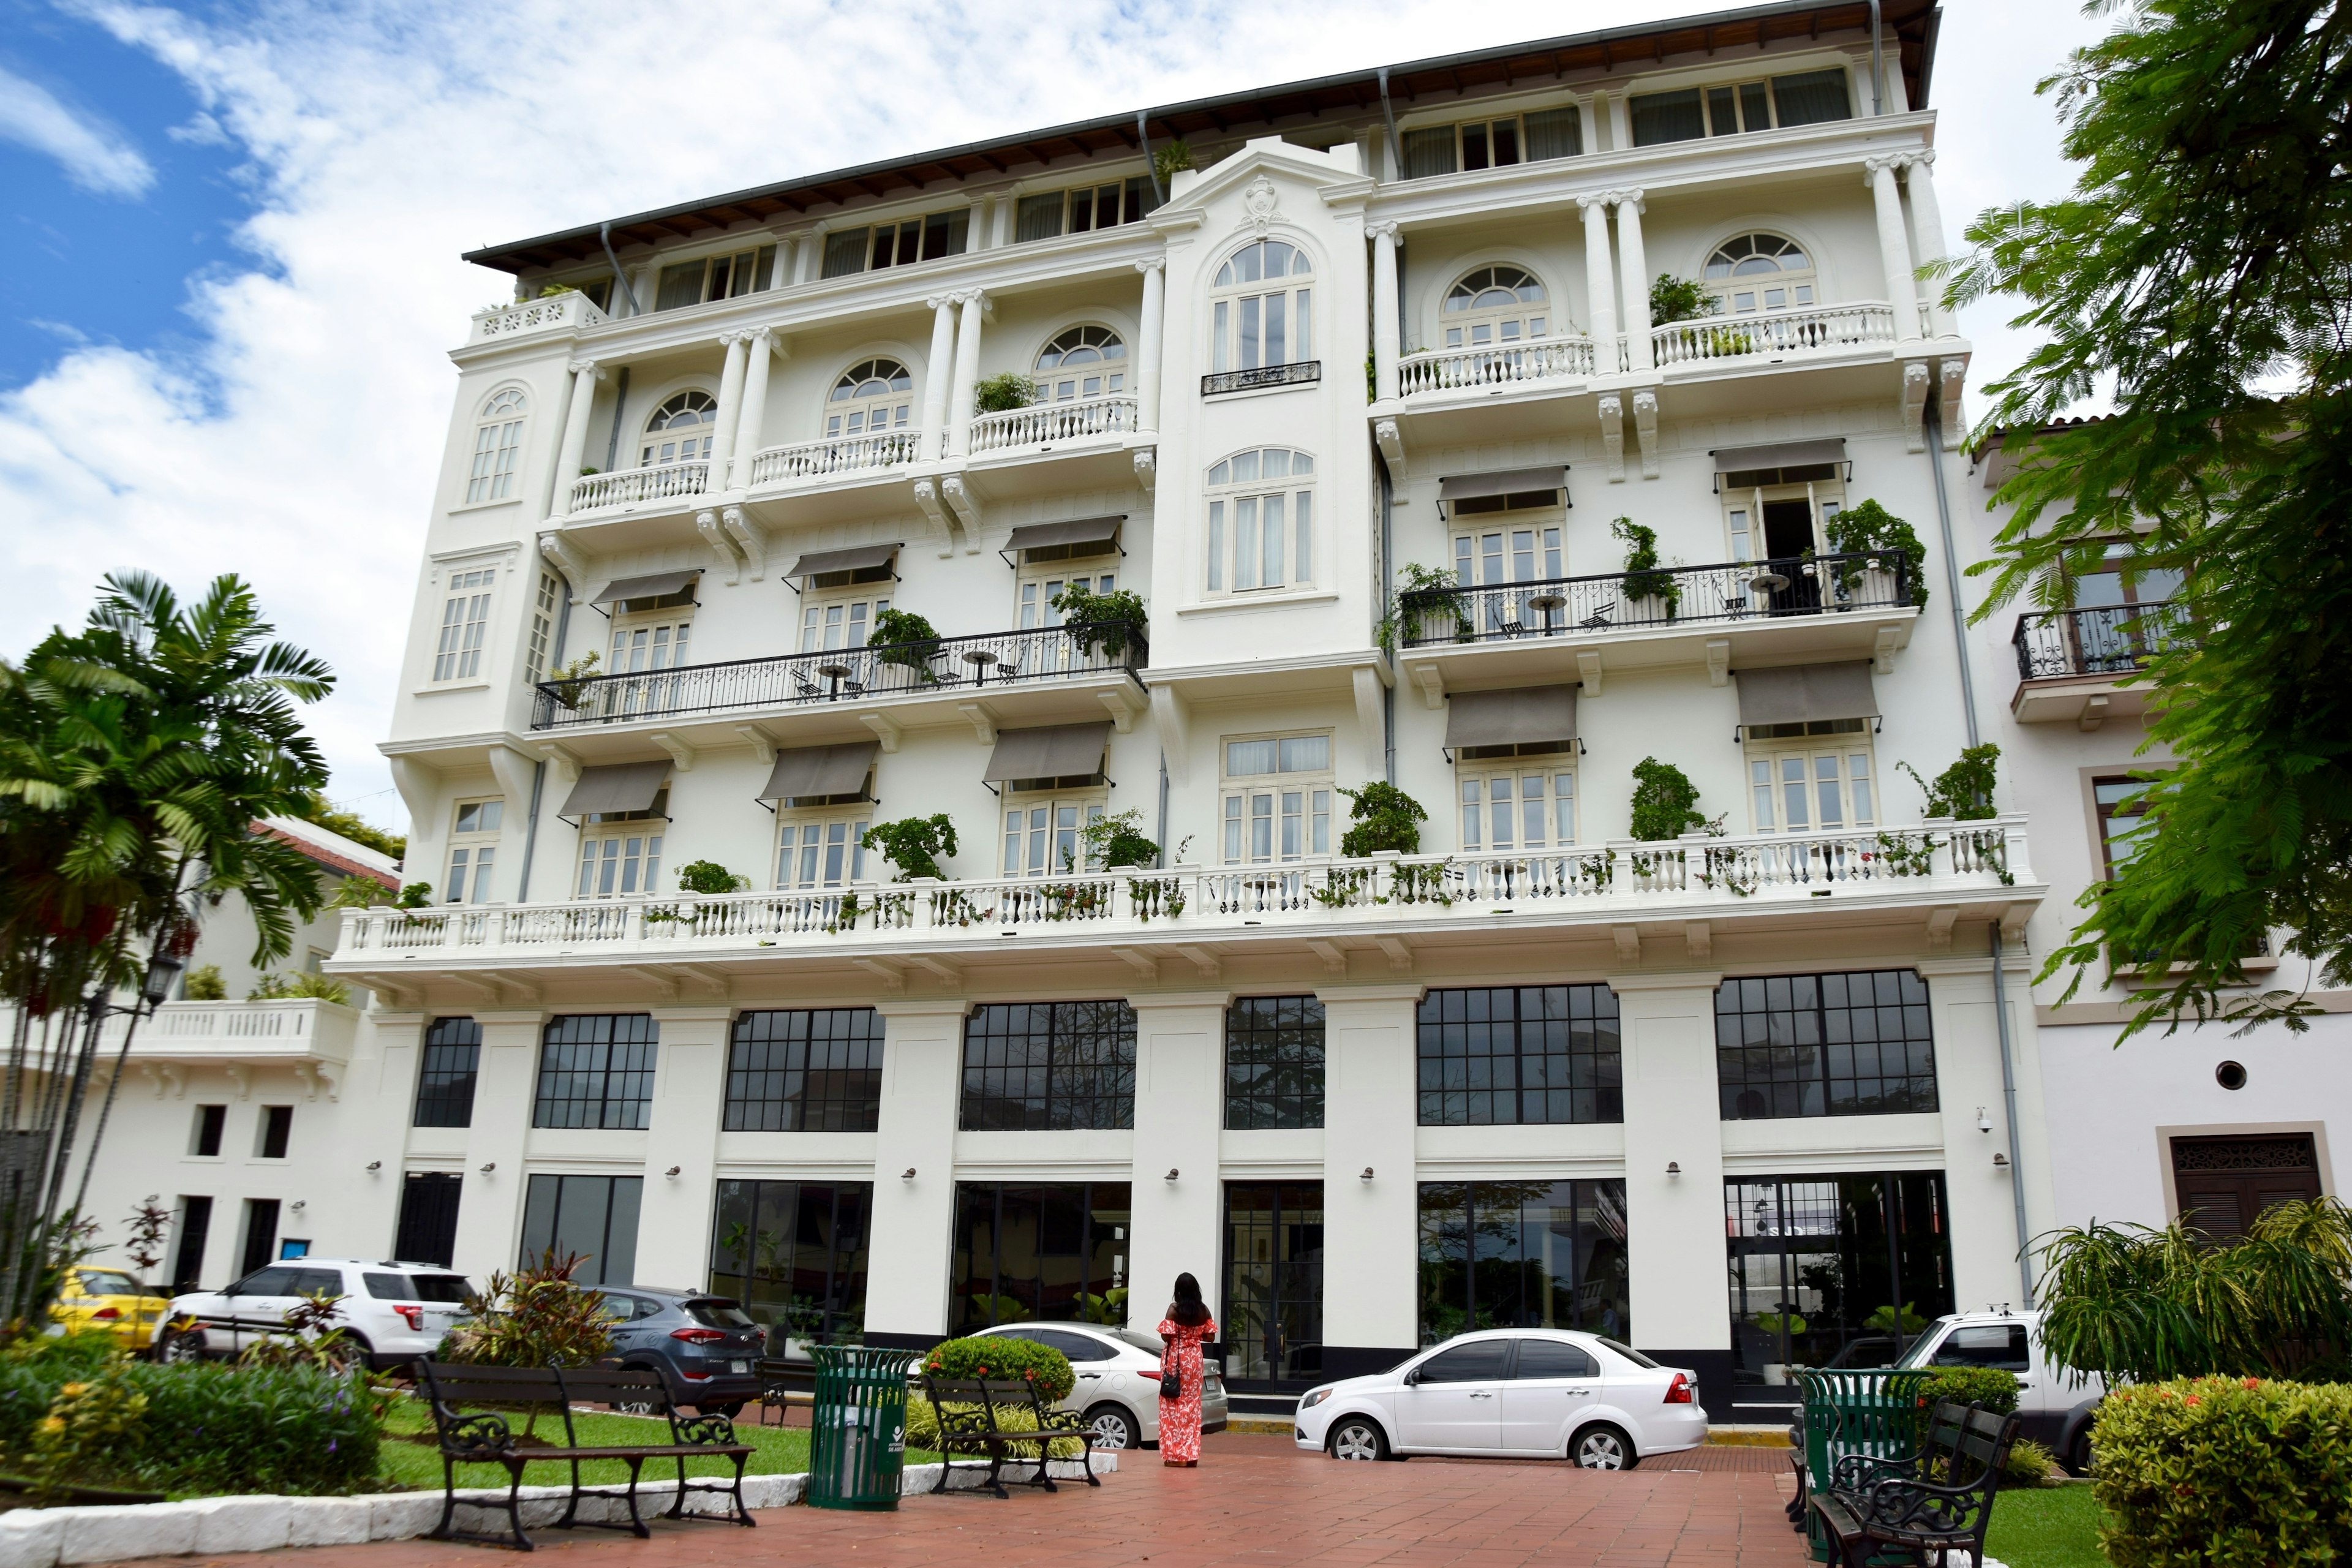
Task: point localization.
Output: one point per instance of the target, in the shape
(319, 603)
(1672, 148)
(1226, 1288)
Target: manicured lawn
(2046, 1527)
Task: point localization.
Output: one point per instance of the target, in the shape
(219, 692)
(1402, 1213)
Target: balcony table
(835, 674)
(1547, 603)
(980, 658)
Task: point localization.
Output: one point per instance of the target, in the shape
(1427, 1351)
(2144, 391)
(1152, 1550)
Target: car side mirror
(1412, 1378)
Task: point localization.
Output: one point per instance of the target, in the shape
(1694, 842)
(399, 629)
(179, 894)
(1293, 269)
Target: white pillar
(1373, 1222)
(1178, 1109)
(1674, 1245)
(689, 1087)
(1621, 122)
(788, 247)
(810, 262)
(1600, 284)
(1637, 280)
(1927, 234)
(755, 403)
(1894, 246)
(731, 402)
(489, 1215)
(914, 1216)
(574, 450)
(1384, 311)
(967, 372)
(1147, 348)
(975, 227)
(937, 372)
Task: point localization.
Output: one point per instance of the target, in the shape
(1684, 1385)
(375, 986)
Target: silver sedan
(1118, 1387)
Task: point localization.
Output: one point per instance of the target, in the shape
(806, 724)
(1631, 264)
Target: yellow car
(109, 1300)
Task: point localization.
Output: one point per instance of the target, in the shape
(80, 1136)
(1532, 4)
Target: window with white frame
(1494, 305)
(465, 622)
(621, 851)
(497, 447)
(657, 639)
(1495, 557)
(1262, 309)
(899, 243)
(1052, 213)
(1815, 776)
(818, 851)
(1084, 361)
(1042, 581)
(839, 608)
(1758, 272)
(1262, 522)
(1531, 138)
(1041, 829)
(1277, 798)
(1733, 109)
(472, 850)
(545, 610)
(1516, 797)
(714, 278)
(871, 397)
(680, 430)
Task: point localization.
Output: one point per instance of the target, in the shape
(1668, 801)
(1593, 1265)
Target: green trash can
(1874, 1412)
(858, 1447)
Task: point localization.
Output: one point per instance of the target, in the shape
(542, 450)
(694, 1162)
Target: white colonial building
(1754, 1095)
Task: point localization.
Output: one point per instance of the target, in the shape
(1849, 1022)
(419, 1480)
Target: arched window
(497, 444)
(870, 398)
(680, 430)
(1494, 304)
(1760, 272)
(1262, 522)
(1084, 361)
(1263, 315)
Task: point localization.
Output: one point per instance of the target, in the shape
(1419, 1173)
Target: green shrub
(923, 1425)
(1673, 299)
(1002, 393)
(2029, 1463)
(1113, 842)
(1963, 791)
(905, 639)
(987, 1356)
(302, 982)
(914, 845)
(1385, 817)
(2218, 1472)
(1663, 801)
(205, 985)
(1869, 529)
(1100, 620)
(709, 877)
(1987, 1385)
(1644, 579)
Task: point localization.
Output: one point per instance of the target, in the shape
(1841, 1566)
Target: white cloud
(298, 442)
(96, 155)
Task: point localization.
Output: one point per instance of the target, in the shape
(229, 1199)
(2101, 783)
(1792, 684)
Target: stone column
(1927, 234)
(574, 450)
(809, 265)
(1385, 346)
(975, 227)
(967, 372)
(689, 1087)
(914, 1216)
(1637, 280)
(489, 1208)
(1371, 1110)
(936, 373)
(1179, 1110)
(731, 400)
(787, 256)
(1894, 246)
(381, 1072)
(755, 403)
(1674, 1242)
(1600, 283)
(1147, 348)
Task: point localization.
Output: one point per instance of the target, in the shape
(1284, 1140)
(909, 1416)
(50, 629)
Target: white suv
(395, 1312)
(2054, 1404)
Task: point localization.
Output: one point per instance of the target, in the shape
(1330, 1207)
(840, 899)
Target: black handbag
(1171, 1386)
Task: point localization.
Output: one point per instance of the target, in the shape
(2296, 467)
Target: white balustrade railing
(1047, 423)
(1613, 881)
(827, 459)
(630, 486)
(572, 310)
(1773, 334)
(1494, 365)
(290, 1026)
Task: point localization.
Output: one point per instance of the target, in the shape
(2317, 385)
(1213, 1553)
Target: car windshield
(109, 1282)
(1917, 1354)
(1141, 1339)
(717, 1312)
(1628, 1352)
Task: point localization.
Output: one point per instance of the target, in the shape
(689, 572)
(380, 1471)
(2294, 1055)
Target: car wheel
(1602, 1448)
(1357, 1439)
(2079, 1457)
(1114, 1426)
(179, 1349)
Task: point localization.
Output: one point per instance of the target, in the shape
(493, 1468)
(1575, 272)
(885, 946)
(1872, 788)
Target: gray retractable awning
(1525, 715)
(808, 771)
(1503, 482)
(1052, 752)
(659, 585)
(863, 556)
(1085, 530)
(1780, 455)
(615, 787)
(1806, 693)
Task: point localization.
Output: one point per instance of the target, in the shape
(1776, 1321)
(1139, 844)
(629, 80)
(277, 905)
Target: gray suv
(706, 1347)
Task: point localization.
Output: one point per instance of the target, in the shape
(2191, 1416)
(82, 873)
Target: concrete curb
(58, 1537)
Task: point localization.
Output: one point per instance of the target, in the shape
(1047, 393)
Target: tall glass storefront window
(1272, 1313)
(1031, 1250)
(1859, 1044)
(592, 1217)
(1831, 1272)
(1523, 1255)
(794, 1254)
(1532, 1055)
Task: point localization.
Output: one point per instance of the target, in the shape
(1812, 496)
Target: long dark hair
(1188, 1310)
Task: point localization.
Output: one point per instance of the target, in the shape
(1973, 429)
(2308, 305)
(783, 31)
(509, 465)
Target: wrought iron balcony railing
(2113, 639)
(1297, 375)
(1668, 595)
(948, 664)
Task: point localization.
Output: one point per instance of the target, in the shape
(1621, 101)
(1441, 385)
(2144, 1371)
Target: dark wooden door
(2222, 1184)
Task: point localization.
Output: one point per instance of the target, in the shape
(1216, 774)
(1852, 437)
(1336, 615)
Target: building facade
(1485, 427)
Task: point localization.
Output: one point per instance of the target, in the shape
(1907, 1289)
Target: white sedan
(1520, 1392)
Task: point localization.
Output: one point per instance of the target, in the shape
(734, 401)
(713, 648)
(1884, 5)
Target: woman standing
(1184, 1330)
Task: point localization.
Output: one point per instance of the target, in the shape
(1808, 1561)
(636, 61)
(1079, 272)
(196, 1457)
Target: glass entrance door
(1274, 1286)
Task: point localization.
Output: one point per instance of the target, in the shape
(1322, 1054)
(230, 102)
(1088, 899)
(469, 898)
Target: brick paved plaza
(1255, 1499)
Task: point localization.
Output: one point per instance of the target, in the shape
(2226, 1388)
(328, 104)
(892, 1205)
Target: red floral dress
(1180, 1418)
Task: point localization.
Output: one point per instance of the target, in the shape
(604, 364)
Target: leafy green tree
(2201, 269)
(915, 845)
(1664, 801)
(1385, 817)
(356, 828)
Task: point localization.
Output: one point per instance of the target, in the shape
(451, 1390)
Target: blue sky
(231, 278)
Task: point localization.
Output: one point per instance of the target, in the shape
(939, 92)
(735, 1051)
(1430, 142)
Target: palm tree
(135, 757)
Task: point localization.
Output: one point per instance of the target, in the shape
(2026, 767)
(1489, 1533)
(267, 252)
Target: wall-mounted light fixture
(673, 1171)
(489, 1168)
(1367, 1173)
(1673, 1168)
(907, 1174)
(375, 1165)
(1999, 1161)
(1171, 1173)
(301, 1204)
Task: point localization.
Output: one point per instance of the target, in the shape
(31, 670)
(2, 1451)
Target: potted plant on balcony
(1426, 599)
(566, 683)
(1104, 622)
(1677, 301)
(1002, 393)
(914, 845)
(1869, 530)
(1645, 581)
(905, 641)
